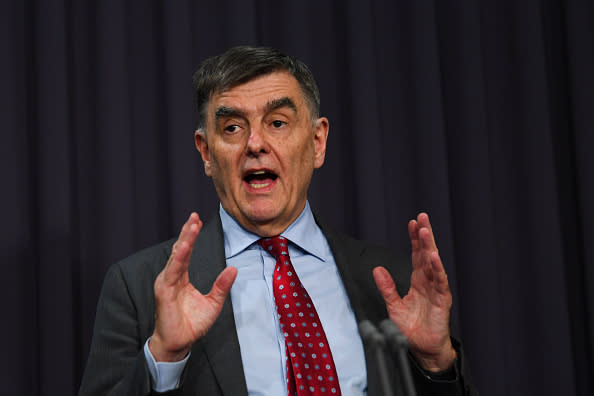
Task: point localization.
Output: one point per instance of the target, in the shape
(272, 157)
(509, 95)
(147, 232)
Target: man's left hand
(423, 315)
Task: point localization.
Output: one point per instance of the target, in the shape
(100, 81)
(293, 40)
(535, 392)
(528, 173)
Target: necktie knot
(277, 246)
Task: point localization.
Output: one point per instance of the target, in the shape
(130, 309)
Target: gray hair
(239, 65)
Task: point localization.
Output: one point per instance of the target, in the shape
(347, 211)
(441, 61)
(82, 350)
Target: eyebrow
(224, 111)
(274, 104)
(282, 102)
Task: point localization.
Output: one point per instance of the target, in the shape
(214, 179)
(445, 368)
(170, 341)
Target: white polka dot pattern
(310, 367)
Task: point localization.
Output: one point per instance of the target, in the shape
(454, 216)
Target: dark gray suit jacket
(125, 319)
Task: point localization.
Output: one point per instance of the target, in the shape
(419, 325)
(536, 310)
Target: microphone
(370, 333)
(399, 345)
(376, 341)
(393, 334)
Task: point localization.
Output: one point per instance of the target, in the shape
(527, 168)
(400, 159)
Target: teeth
(259, 185)
(254, 183)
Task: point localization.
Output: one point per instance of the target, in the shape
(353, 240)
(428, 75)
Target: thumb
(386, 286)
(222, 285)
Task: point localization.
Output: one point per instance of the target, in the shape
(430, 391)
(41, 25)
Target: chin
(263, 216)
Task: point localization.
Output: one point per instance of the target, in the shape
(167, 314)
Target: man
(261, 137)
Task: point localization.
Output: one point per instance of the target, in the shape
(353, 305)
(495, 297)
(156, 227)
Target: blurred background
(479, 112)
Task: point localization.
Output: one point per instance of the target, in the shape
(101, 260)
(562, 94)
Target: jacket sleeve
(454, 382)
(116, 364)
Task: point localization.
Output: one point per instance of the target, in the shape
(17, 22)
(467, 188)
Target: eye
(278, 123)
(232, 128)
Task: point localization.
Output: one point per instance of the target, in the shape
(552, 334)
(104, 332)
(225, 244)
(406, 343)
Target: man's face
(261, 147)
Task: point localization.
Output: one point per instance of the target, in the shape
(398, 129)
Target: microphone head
(370, 334)
(393, 333)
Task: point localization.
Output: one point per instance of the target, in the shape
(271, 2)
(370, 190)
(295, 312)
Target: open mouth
(260, 179)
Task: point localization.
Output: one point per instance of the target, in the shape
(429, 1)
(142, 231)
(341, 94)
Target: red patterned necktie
(310, 367)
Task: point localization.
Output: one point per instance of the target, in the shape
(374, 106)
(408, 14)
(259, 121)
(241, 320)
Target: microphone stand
(376, 342)
(399, 345)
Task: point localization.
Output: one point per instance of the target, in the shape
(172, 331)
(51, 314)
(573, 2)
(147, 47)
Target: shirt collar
(303, 232)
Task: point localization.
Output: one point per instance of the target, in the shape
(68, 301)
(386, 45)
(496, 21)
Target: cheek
(305, 155)
(302, 163)
(222, 167)
(223, 154)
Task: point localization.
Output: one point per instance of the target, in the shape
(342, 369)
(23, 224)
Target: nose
(257, 143)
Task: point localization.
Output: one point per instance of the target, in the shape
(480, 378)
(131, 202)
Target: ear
(202, 147)
(321, 128)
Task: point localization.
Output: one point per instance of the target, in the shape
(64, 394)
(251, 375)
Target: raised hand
(182, 313)
(423, 315)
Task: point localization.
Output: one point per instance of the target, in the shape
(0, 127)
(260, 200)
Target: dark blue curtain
(479, 112)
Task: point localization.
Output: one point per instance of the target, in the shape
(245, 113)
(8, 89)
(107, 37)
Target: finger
(416, 245)
(441, 283)
(426, 250)
(413, 233)
(179, 261)
(423, 221)
(186, 233)
(183, 234)
(177, 265)
(427, 241)
(222, 285)
(193, 230)
(386, 286)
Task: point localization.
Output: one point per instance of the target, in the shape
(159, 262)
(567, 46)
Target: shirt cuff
(165, 375)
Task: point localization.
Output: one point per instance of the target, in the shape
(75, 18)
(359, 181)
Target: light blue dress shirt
(261, 342)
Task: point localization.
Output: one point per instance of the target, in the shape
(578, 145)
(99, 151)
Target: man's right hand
(183, 314)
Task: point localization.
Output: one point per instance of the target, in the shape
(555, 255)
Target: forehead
(253, 95)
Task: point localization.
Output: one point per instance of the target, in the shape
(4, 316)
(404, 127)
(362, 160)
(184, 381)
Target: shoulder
(363, 250)
(138, 272)
(148, 260)
(358, 258)
(133, 277)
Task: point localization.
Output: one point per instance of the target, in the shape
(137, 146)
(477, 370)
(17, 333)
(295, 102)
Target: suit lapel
(356, 274)
(221, 344)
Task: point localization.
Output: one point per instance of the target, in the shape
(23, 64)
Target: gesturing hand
(182, 313)
(423, 315)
